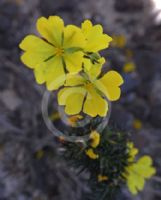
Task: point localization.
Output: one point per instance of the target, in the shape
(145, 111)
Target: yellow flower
(137, 124)
(55, 116)
(129, 53)
(85, 92)
(119, 41)
(129, 67)
(73, 119)
(91, 154)
(95, 139)
(40, 154)
(132, 151)
(59, 50)
(95, 38)
(102, 178)
(138, 172)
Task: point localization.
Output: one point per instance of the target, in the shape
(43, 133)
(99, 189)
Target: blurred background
(30, 165)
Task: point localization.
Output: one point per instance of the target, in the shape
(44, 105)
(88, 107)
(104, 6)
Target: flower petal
(39, 73)
(140, 182)
(73, 61)
(34, 43)
(72, 98)
(93, 70)
(74, 79)
(54, 74)
(86, 26)
(96, 40)
(94, 104)
(36, 49)
(144, 167)
(145, 160)
(131, 183)
(95, 139)
(73, 37)
(51, 29)
(27, 59)
(109, 85)
(91, 154)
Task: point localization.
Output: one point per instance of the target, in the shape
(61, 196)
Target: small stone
(4, 80)
(9, 9)
(48, 7)
(155, 116)
(121, 119)
(128, 5)
(155, 94)
(10, 99)
(131, 82)
(140, 108)
(146, 64)
(5, 23)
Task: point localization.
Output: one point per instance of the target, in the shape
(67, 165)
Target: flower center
(59, 51)
(88, 86)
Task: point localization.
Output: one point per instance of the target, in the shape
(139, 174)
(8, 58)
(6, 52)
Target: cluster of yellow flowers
(135, 173)
(67, 58)
(138, 171)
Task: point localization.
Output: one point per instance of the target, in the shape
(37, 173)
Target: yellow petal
(95, 139)
(74, 79)
(96, 40)
(73, 37)
(27, 59)
(144, 167)
(132, 154)
(109, 85)
(91, 154)
(73, 120)
(87, 64)
(140, 183)
(102, 178)
(74, 61)
(39, 73)
(72, 98)
(132, 151)
(145, 160)
(132, 185)
(54, 74)
(93, 70)
(35, 44)
(51, 29)
(86, 27)
(36, 49)
(148, 173)
(94, 104)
